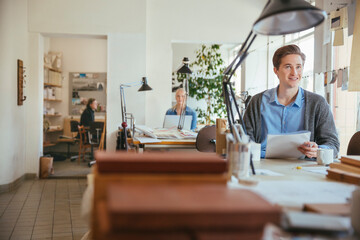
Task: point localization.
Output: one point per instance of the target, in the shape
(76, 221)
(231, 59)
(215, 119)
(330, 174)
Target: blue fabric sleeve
(194, 120)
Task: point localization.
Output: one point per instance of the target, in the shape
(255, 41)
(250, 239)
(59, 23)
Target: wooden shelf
(52, 100)
(51, 85)
(49, 144)
(52, 69)
(52, 115)
(55, 130)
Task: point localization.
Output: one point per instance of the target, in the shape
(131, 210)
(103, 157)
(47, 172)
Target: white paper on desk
(319, 170)
(297, 193)
(147, 140)
(267, 172)
(285, 145)
(315, 221)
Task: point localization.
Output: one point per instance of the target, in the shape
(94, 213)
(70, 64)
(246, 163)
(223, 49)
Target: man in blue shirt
(289, 108)
(180, 97)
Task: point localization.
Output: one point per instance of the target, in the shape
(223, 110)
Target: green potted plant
(206, 83)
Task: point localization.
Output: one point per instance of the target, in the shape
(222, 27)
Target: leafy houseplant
(206, 82)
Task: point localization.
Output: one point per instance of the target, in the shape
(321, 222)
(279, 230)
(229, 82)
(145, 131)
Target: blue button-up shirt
(277, 118)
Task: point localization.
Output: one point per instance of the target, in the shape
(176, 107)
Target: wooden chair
(354, 144)
(83, 144)
(95, 137)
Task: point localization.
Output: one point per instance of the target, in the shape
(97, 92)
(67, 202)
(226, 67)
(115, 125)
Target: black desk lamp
(185, 70)
(121, 142)
(279, 17)
(144, 87)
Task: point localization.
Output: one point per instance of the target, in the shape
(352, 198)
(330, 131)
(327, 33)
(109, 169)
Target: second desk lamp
(125, 115)
(184, 69)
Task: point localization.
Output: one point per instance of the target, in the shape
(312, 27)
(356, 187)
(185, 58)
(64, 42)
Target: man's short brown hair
(284, 51)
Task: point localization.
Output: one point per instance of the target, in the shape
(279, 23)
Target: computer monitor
(171, 121)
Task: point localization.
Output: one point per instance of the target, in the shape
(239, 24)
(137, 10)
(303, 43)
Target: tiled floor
(43, 209)
(64, 169)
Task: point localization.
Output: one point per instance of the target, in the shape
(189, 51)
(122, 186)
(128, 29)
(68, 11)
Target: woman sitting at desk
(180, 106)
(88, 115)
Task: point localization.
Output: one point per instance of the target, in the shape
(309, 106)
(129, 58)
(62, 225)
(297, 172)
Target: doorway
(75, 70)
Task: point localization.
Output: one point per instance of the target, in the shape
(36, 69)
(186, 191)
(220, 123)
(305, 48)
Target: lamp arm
(182, 115)
(244, 48)
(123, 104)
(131, 84)
(229, 72)
(229, 92)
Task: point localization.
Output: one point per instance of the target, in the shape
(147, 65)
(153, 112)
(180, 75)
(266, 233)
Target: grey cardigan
(318, 120)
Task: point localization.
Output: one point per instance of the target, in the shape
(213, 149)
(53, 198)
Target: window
(345, 103)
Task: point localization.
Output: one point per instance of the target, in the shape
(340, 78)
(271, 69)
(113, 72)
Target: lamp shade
(281, 17)
(185, 67)
(144, 85)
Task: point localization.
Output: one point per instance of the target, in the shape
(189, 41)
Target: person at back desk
(180, 106)
(289, 108)
(88, 115)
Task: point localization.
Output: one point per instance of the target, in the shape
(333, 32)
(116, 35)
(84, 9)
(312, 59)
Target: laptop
(171, 121)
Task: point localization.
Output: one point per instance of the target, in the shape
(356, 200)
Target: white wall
(34, 103)
(87, 16)
(126, 57)
(13, 46)
(79, 55)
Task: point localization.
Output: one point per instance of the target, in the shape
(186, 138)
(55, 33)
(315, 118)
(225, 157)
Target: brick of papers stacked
(347, 171)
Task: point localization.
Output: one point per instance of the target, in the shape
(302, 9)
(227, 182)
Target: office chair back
(74, 126)
(205, 140)
(95, 131)
(354, 144)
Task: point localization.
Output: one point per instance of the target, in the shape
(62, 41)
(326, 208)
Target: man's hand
(309, 149)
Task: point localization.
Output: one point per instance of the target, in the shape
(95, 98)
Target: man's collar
(273, 97)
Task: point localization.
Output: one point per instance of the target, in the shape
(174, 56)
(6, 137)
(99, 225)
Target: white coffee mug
(325, 156)
(255, 151)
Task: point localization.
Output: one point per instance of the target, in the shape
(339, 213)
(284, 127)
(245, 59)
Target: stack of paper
(285, 145)
(166, 133)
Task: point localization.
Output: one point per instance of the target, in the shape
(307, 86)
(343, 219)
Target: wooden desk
(166, 144)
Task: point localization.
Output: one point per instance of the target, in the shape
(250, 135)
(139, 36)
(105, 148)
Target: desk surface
(295, 187)
(168, 142)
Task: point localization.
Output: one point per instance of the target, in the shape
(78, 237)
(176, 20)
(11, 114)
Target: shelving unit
(52, 115)
(55, 130)
(52, 100)
(52, 96)
(51, 85)
(49, 144)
